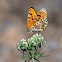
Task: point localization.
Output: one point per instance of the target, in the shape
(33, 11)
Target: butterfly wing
(42, 17)
(37, 22)
(31, 17)
(42, 14)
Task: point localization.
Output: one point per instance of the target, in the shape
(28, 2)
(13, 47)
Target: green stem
(33, 59)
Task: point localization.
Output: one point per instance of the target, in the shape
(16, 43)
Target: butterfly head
(26, 29)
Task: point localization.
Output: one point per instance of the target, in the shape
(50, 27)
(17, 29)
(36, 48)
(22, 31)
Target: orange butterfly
(36, 22)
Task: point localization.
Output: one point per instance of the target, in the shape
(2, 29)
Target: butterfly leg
(31, 31)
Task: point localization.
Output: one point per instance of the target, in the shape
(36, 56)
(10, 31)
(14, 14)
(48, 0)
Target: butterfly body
(37, 22)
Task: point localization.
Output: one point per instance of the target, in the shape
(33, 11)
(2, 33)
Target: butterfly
(36, 21)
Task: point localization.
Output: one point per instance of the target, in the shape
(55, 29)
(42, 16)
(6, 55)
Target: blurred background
(13, 21)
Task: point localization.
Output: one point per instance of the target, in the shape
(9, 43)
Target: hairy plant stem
(33, 59)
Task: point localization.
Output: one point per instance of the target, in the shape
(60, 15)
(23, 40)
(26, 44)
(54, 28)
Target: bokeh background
(13, 21)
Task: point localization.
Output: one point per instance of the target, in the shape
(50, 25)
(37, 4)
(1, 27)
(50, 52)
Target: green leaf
(45, 55)
(41, 54)
(18, 47)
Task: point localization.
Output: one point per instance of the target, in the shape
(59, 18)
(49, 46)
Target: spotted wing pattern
(37, 22)
(31, 16)
(42, 17)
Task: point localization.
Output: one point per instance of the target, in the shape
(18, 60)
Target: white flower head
(40, 35)
(32, 38)
(28, 39)
(39, 38)
(36, 34)
(23, 40)
(33, 41)
(33, 35)
(24, 43)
